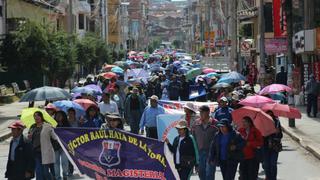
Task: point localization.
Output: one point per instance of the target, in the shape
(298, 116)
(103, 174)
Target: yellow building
(113, 22)
(19, 10)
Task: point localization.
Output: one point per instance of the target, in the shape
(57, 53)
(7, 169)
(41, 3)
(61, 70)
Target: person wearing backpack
(272, 147)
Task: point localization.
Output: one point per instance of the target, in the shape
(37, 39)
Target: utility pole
(70, 18)
(234, 34)
(105, 20)
(262, 48)
(288, 7)
(226, 32)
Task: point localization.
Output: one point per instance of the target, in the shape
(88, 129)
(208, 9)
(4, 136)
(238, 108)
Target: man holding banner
(149, 118)
(204, 131)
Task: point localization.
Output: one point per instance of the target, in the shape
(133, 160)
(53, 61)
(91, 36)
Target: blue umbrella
(155, 67)
(177, 64)
(85, 90)
(213, 74)
(183, 70)
(221, 85)
(278, 96)
(65, 105)
(117, 70)
(232, 77)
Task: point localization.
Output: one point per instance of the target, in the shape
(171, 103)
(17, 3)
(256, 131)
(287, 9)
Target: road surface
(295, 163)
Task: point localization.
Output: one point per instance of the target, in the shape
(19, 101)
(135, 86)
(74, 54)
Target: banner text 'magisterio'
(115, 154)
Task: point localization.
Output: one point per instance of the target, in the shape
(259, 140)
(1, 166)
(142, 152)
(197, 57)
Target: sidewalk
(8, 114)
(306, 132)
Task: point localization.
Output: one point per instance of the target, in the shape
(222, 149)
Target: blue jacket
(235, 155)
(96, 122)
(223, 113)
(174, 89)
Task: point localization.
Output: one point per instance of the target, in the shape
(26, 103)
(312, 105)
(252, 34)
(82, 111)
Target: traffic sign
(245, 49)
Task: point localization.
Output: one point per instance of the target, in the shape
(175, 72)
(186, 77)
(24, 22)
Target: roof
(45, 4)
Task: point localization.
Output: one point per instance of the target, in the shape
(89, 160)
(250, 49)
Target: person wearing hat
(51, 109)
(149, 118)
(133, 110)
(190, 113)
(234, 104)
(223, 111)
(113, 121)
(226, 149)
(184, 150)
(20, 164)
(204, 131)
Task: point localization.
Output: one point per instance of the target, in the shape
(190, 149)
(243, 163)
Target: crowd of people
(206, 139)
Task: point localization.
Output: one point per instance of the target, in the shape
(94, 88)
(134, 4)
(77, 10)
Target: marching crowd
(206, 139)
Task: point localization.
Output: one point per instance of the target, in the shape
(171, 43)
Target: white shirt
(112, 107)
(178, 151)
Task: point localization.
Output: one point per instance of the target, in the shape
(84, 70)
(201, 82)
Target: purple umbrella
(97, 89)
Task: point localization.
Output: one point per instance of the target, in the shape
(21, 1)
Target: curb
(311, 148)
(293, 135)
(4, 136)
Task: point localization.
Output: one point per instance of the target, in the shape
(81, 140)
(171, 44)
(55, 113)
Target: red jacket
(253, 140)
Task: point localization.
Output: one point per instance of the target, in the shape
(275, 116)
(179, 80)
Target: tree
(34, 50)
(61, 57)
(156, 43)
(92, 52)
(202, 51)
(150, 49)
(25, 51)
(177, 44)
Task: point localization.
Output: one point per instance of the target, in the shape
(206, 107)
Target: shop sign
(222, 43)
(318, 39)
(298, 42)
(309, 36)
(316, 70)
(276, 46)
(305, 76)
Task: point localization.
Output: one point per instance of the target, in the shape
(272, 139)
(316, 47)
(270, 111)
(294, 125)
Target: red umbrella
(256, 101)
(208, 70)
(109, 75)
(108, 67)
(261, 120)
(283, 110)
(275, 88)
(86, 103)
(276, 108)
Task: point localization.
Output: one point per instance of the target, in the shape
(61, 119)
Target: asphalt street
(295, 163)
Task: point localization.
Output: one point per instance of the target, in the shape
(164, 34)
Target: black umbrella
(45, 93)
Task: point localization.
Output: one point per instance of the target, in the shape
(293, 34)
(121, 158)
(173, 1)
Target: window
(81, 21)
(1, 13)
(268, 17)
(58, 24)
(14, 23)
